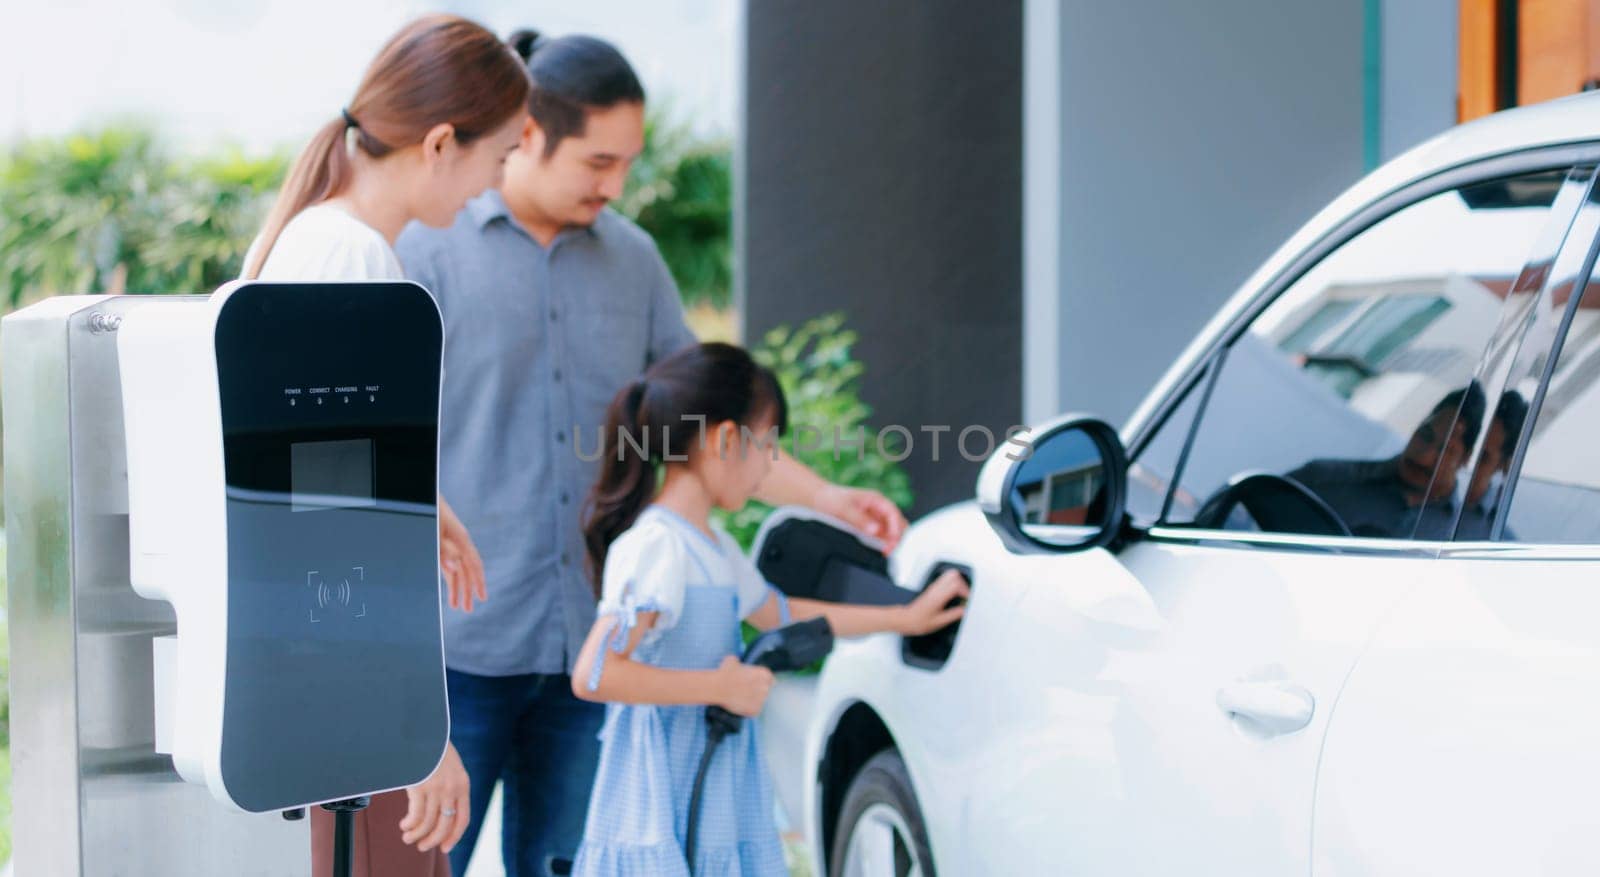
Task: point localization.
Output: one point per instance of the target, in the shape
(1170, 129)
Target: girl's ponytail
(627, 477)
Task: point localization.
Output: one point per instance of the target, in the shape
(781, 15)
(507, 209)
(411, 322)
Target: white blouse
(325, 242)
(650, 565)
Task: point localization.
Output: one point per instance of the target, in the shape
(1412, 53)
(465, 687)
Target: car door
(1171, 696)
(1466, 739)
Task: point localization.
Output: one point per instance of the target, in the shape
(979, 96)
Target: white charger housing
(282, 443)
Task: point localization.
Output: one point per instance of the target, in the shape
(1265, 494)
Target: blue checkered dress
(638, 813)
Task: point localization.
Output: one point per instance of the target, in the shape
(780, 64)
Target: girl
(429, 127)
(673, 588)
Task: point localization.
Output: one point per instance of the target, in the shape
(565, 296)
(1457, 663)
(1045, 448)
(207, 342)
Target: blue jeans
(533, 734)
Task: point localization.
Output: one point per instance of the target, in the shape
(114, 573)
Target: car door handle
(1267, 708)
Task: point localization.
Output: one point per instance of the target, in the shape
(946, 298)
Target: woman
(430, 126)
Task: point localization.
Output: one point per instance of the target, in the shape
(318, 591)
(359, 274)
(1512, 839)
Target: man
(552, 303)
(1409, 495)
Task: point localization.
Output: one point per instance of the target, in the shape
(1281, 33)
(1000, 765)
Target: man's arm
(791, 482)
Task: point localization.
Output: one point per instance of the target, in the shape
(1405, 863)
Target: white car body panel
(1125, 713)
(1466, 740)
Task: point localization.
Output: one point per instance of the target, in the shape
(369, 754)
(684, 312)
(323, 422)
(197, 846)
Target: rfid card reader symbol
(330, 594)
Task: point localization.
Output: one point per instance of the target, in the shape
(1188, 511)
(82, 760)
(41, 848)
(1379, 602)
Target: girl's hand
(744, 687)
(927, 613)
(439, 806)
(458, 558)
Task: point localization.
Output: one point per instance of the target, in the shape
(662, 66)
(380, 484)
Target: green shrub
(113, 211)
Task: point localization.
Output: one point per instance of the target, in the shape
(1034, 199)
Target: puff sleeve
(646, 571)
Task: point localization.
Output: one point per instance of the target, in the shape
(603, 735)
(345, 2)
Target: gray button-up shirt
(537, 342)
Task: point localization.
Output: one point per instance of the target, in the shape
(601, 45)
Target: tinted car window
(1347, 407)
(1557, 494)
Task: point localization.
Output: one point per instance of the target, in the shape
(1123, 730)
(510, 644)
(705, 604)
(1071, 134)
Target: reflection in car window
(1556, 499)
(1347, 407)
(1479, 495)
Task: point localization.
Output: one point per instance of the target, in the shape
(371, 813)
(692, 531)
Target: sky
(265, 74)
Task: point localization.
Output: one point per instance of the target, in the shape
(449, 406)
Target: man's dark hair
(571, 76)
(1469, 406)
(1511, 412)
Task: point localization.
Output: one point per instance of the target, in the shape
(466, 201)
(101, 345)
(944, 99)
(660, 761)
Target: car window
(1150, 474)
(1556, 499)
(1348, 406)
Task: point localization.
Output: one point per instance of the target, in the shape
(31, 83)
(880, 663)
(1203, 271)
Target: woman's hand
(927, 613)
(867, 510)
(458, 558)
(744, 687)
(439, 806)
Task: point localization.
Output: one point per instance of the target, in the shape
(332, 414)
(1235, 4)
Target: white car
(1329, 603)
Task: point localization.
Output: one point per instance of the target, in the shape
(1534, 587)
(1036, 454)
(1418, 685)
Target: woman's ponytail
(322, 169)
(627, 477)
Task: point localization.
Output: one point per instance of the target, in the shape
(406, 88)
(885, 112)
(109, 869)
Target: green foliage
(681, 192)
(112, 211)
(64, 206)
(820, 381)
(215, 207)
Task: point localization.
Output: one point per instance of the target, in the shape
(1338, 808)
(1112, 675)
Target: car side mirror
(1064, 489)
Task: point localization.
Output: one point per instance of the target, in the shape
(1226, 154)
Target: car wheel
(880, 831)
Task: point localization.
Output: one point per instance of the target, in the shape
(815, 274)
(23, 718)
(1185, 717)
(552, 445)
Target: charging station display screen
(330, 475)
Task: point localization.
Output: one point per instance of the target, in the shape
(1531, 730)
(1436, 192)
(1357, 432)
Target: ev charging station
(223, 570)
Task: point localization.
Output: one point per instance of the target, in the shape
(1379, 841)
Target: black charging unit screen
(335, 670)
